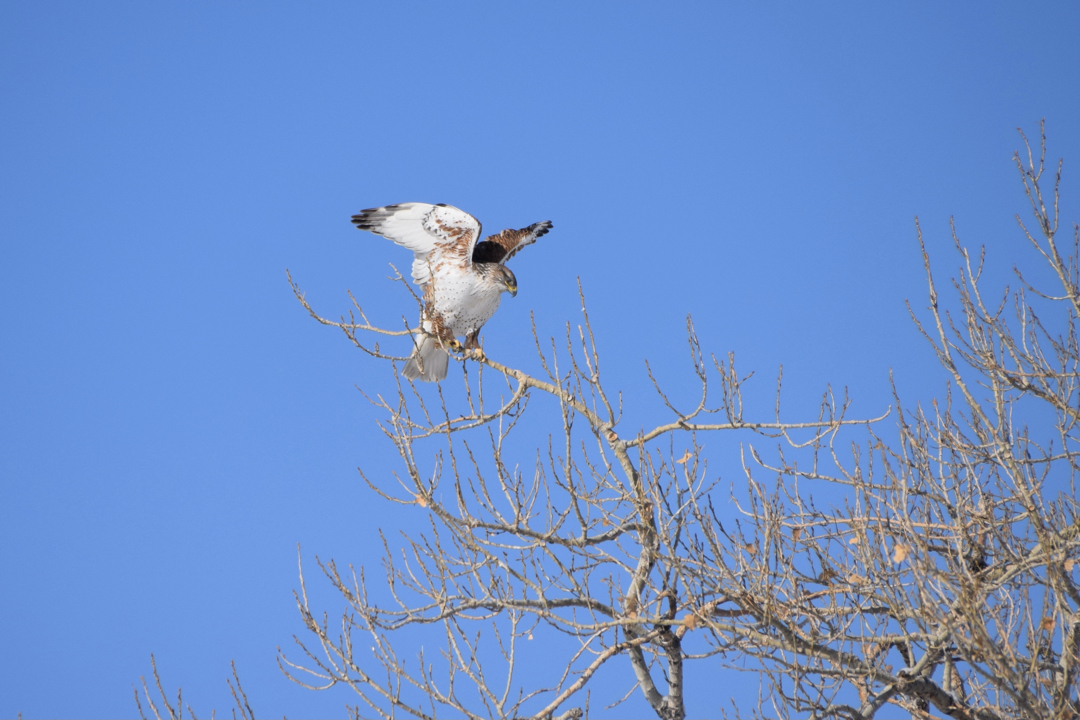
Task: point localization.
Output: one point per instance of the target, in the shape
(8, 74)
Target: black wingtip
(367, 218)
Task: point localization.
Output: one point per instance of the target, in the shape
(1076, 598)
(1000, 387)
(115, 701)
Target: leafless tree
(944, 583)
(940, 582)
(597, 541)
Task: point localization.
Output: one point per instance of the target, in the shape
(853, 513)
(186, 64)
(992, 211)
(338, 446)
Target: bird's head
(507, 280)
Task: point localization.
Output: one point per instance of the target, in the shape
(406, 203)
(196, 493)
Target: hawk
(461, 279)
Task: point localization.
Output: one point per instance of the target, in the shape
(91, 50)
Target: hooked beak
(512, 289)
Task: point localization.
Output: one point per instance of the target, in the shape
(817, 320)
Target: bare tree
(593, 542)
(944, 583)
(940, 582)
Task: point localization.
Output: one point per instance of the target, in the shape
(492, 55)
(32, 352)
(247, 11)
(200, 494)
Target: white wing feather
(433, 232)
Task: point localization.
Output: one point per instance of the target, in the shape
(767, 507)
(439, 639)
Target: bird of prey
(461, 279)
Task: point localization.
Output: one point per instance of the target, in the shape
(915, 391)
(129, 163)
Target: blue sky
(173, 423)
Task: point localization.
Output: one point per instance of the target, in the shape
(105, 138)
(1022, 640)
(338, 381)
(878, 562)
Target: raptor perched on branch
(462, 280)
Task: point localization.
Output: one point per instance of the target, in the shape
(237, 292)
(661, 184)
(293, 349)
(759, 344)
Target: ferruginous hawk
(461, 279)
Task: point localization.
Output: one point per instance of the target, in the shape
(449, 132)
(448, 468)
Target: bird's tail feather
(428, 362)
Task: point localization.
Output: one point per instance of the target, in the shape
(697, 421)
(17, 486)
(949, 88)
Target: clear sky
(173, 424)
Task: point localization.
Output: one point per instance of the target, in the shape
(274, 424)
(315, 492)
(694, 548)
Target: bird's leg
(450, 342)
(472, 346)
(446, 337)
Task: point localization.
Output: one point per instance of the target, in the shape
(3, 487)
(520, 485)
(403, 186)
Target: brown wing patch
(461, 238)
(455, 231)
(500, 248)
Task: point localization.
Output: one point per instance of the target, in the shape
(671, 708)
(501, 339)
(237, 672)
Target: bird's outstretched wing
(500, 248)
(435, 233)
